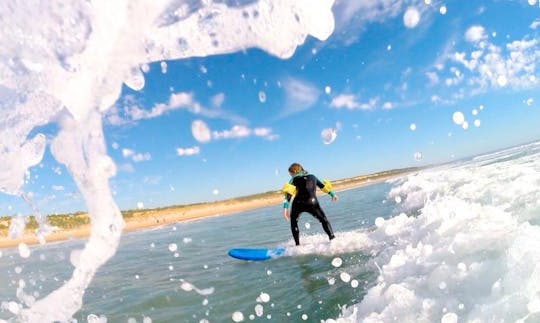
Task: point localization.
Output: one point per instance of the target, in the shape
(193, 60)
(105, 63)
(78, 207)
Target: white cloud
(535, 24)
(512, 65)
(176, 101)
(436, 99)
(58, 187)
(127, 152)
(457, 77)
(202, 133)
(240, 131)
(469, 64)
(152, 180)
(433, 78)
(126, 167)
(387, 106)
(236, 131)
(218, 99)
(520, 46)
(139, 157)
(131, 112)
(112, 117)
(300, 96)
(344, 101)
(350, 102)
(265, 133)
(353, 15)
(370, 105)
(182, 99)
(195, 150)
(404, 86)
(136, 157)
(475, 34)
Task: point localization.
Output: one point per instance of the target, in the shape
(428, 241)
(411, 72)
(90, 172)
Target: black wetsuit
(305, 200)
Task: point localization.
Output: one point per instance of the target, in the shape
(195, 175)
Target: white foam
(470, 247)
(188, 287)
(319, 244)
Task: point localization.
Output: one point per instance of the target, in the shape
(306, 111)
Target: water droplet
(173, 247)
(262, 97)
(238, 316)
(337, 262)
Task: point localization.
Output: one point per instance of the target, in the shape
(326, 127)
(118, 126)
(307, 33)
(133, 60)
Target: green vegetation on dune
(62, 221)
(4, 225)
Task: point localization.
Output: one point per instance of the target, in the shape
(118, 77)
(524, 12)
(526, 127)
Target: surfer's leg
(294, 226)
(319, 215)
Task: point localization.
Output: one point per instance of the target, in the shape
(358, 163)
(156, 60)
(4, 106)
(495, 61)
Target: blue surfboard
(256, 254)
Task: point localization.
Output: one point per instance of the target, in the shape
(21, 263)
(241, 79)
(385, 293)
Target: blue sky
(398, 84)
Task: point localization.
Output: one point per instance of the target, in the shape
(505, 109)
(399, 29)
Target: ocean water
(455, 243)
(155, 272)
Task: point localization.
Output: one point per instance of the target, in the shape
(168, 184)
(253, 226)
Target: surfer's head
(295, 168)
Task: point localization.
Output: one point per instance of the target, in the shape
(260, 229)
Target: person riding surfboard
(303, 187)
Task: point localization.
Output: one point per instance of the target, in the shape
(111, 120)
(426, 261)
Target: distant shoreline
(149, 218)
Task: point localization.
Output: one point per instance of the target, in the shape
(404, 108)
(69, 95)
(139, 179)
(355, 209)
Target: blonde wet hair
(295, 168)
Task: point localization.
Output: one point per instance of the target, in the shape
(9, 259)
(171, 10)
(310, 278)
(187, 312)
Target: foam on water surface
(464, 248)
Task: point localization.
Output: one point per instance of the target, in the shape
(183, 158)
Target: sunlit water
(448, 244)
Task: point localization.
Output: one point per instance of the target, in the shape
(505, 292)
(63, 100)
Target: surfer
(303, 187)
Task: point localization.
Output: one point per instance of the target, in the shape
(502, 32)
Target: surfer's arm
(326, 187)
(286, 206)
(286, 214)
(288, 191)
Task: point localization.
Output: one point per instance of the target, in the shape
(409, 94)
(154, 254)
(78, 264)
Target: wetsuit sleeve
(288, 191)
(286, 201)
(320, 184)
(326, 187)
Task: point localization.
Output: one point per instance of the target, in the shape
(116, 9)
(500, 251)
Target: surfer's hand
(335, 198)
(286, 214)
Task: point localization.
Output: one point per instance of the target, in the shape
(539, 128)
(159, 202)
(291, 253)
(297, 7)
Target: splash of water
(69, 69)
(464, 248)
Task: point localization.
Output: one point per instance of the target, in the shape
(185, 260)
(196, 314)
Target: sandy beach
(142, 219)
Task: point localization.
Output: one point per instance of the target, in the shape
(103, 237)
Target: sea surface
(453, 243)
